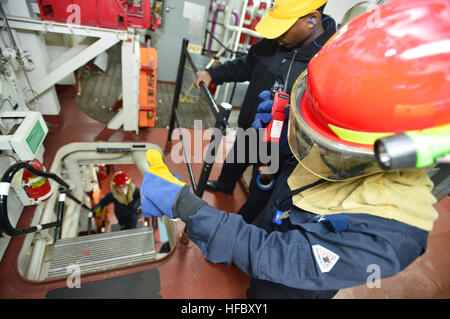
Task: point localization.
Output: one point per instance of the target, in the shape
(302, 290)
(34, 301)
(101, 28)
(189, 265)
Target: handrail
(211, 102)
(5, 224)
(220, 113)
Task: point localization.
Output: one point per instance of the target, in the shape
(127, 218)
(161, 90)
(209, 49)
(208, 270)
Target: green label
(431, 144)
(35, 137)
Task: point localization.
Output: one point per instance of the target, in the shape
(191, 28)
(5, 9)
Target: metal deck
(102, 252)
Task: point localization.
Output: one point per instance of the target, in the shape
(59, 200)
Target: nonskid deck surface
(102, 252)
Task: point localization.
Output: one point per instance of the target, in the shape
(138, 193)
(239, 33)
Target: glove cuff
(186, 204)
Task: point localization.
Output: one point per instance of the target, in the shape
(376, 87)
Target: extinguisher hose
(10, 172)
(5, 183)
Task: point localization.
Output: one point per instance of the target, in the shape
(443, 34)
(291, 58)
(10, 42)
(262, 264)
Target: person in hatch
(126, 198)
(294, 31)
(335, 214)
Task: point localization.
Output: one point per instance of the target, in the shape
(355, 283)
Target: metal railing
(221, 113)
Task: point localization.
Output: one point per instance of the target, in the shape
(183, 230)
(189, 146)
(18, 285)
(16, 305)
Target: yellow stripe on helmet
(367, 138)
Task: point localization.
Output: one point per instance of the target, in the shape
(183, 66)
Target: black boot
(216, 186)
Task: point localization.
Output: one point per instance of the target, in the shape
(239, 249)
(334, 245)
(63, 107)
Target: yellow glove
(159, 187)
(158, 168)
(160, 192)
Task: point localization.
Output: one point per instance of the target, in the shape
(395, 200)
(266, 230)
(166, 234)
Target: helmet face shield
(123, 189)
(323, 157)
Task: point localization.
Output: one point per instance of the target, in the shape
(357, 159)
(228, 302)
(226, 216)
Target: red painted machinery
(112, 14)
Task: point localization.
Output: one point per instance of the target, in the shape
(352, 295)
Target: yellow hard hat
(283, 14)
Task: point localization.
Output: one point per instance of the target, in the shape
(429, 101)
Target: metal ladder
(102, 252)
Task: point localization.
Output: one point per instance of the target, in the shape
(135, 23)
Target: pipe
(220, 8)
(37, 257)
(141, 162)
(236, 42)
(237, 18)
(226, 22)
(243, 30)
(211, 5)
(57, 234)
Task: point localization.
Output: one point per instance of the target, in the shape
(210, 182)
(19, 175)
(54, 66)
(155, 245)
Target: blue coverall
(126, 215)
(281, 259)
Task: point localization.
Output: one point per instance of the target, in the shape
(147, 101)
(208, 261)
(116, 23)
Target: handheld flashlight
(414, 148)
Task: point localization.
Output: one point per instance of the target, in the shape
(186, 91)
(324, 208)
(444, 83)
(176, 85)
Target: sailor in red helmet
(336, 219)
(126, 198)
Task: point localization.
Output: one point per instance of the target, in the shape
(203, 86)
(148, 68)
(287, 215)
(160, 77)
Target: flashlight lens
(383, 156)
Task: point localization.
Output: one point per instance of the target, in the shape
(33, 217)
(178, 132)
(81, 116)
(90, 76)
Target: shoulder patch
(325, 258)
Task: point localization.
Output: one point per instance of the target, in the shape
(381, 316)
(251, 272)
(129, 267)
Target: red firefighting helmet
(120, 178)
(386, 72)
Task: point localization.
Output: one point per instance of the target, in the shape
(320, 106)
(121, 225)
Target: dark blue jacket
(126, 215)
(265, 63)
(286, 254)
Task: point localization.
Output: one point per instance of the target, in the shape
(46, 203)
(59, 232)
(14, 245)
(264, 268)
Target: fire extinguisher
(102, 172)
(38, 188)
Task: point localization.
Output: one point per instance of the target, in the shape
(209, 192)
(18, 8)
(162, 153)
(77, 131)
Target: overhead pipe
(220, 8)
(236, 42)
(239, 29)
(211, 5)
